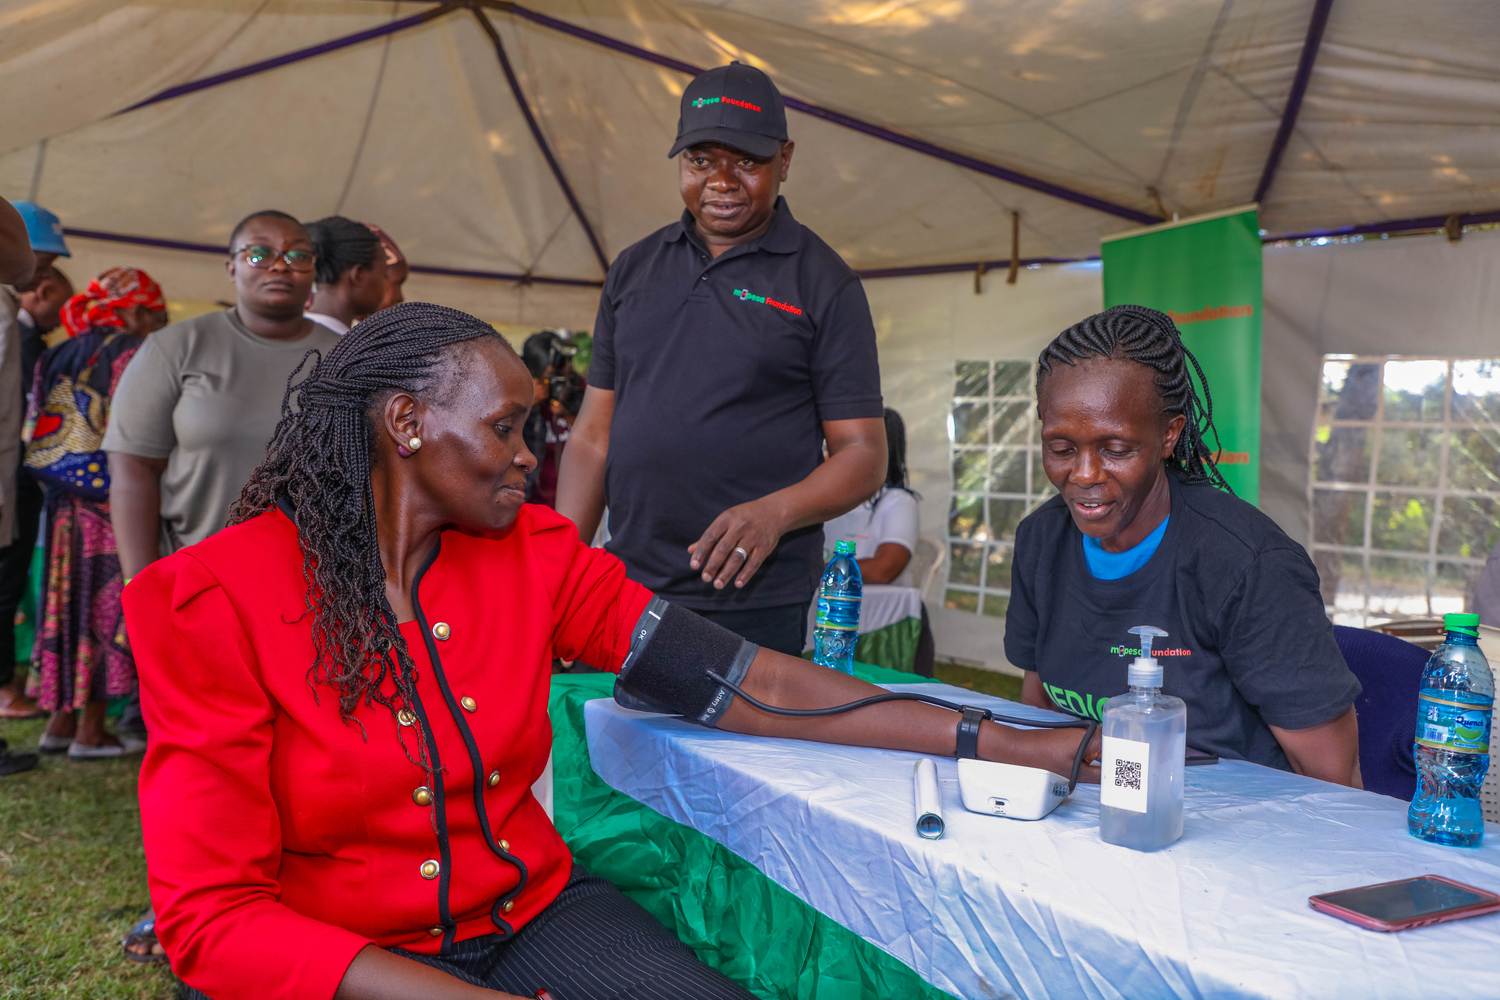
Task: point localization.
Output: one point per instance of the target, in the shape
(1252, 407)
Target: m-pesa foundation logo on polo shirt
(745, 295)
(705, 101)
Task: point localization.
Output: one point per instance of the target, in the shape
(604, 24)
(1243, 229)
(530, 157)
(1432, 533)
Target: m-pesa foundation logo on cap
(705, 101)
(745, 295)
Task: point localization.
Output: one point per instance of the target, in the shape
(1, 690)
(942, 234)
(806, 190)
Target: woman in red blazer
(347, 697)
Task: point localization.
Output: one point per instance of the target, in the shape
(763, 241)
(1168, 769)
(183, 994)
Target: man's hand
(738, 541)
(854, 470)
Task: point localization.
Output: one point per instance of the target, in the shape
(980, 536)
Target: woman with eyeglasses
(197, 406)
(194, 411)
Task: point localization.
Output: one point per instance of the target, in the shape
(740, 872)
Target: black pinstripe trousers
(591, 943)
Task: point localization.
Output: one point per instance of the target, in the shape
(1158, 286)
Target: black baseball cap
(737, 105)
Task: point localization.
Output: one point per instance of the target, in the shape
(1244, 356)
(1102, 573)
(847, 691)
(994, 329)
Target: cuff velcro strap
(968, 732)
(671, 651)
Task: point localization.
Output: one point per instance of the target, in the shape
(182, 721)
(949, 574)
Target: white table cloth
(1001, 908)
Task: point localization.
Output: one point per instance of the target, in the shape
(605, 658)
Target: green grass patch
(986, 681)
(72, 879)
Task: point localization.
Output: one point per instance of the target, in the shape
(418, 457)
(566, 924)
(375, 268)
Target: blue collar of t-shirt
(1116, 565)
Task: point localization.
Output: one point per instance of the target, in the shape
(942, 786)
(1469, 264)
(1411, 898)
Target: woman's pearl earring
(409, 448)
(414, 443)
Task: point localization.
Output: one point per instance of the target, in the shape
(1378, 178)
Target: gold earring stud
(414, 443)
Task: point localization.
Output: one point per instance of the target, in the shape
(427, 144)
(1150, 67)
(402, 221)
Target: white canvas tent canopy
(519, 148)
(513, 149)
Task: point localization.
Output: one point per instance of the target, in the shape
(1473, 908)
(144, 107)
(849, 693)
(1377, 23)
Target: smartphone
(1409, 902)
(1196, 756)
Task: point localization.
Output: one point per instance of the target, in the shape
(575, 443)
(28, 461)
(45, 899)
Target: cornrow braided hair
(1136, 333)
(320, 460)
(342, 244)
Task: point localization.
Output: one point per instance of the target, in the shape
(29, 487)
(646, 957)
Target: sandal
(54, 744)
(105, 751)
(142, 937)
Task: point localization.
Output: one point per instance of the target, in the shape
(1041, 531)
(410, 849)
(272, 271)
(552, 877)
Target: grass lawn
(73, 873)
(72, 879)
(986, 681)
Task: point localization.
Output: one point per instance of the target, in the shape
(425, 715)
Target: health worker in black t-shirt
(1146, 532)
(729, 346)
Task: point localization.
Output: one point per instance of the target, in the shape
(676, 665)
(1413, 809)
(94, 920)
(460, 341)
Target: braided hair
(341, 244)
(320, 459)
(1136, 333)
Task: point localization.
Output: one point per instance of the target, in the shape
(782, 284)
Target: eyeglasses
(266, 257)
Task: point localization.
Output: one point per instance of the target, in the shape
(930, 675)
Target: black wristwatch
(968, 731)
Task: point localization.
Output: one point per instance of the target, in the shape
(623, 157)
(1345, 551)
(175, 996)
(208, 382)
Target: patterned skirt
(81, 652)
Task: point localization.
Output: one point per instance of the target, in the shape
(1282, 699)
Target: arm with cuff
(672, 651)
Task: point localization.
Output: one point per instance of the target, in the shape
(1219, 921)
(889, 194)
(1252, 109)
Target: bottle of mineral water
(1143, 755)
(1452, 750)
(837, 628)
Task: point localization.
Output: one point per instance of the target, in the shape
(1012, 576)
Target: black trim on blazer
(440, 812)
(504, 926)
(440, 809)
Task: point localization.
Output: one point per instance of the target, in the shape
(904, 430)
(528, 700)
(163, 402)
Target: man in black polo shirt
(729, 346)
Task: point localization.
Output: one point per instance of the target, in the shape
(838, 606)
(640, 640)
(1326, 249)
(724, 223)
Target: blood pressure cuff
(671, 652)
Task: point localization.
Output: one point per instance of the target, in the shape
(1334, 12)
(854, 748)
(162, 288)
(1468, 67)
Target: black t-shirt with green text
(1248, 644)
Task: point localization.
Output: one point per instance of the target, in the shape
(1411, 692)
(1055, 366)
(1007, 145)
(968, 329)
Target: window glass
(1406, 484)
(997, 479)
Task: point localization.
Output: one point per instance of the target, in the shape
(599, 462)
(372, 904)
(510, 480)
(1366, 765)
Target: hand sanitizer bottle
(1145, 745)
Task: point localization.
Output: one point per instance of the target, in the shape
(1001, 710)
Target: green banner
(1205, 273)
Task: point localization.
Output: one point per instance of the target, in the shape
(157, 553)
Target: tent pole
(536, 133)
(1289, 114)
(1015, 248)
(219, 250)
(839, 118)
(332, 45)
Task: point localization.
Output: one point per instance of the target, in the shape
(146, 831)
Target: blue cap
(44, 228)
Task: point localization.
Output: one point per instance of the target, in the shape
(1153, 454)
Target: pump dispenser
(1145, 745)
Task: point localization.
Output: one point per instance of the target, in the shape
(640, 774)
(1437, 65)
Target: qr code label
(1126, 774)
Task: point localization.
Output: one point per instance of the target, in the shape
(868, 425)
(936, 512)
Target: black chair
(1390, 671)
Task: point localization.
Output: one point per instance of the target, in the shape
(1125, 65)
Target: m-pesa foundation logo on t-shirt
(705, 101)
(745, 295)
(1127, 651)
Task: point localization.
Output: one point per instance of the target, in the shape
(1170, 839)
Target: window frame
(1375, 427)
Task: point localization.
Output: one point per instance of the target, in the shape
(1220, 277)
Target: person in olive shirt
(728, 348)
(199, 402)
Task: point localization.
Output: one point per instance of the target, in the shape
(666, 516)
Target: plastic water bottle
(1144, 753)
(837, 628)
(1454, 705)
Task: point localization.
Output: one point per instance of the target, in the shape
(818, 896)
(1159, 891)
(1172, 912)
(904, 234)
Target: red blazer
(281, 840)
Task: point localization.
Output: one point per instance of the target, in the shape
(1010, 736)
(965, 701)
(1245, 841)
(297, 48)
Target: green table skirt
(733, 917)
(893, 647)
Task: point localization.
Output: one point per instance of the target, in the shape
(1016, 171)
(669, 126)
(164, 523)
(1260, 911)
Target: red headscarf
(116, 289)
(393, 254)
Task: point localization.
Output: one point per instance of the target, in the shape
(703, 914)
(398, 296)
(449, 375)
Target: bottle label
(1125, 773)
(1450, 724)
(844, 607)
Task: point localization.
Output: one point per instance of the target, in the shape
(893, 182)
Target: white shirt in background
(890, 517)
(333, 323)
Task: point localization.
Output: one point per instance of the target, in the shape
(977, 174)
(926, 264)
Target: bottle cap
(1467, 624)
(846, 548)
